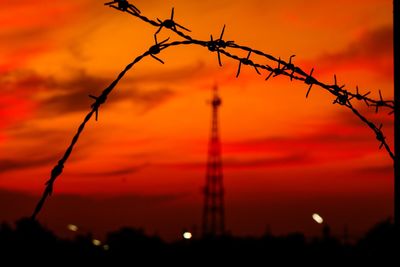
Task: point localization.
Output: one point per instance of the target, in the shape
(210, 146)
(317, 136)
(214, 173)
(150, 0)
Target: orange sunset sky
(143, 163)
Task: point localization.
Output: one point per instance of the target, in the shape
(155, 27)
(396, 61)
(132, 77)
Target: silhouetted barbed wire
(284, 68)
(342, 96)
(216, 45)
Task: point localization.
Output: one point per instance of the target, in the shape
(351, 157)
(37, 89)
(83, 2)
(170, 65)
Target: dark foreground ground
(31, 244)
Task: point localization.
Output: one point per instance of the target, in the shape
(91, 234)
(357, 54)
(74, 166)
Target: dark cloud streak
(234, 163)
(7, 165)
(372, 50)
(373, 43)
(114, 173)
(72, 94)
(377, 170)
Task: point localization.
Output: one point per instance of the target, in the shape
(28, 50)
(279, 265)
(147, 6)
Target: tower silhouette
(213, 213)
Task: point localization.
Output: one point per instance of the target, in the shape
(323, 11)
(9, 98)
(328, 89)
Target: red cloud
(26, 28)
(36, 13)
(372, 51)
(16, 59)
(345, 138)
(13, 109)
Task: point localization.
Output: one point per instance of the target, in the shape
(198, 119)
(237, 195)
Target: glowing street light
(96, 242)
(72, 227)
(316, 217)
(187, 235)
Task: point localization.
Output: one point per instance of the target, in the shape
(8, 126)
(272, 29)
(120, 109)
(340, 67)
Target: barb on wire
(170, 24)
(359, 96)
(246, 61)
(279, 71)
(290, 66)
(379, 103)
(276, 71)
(156, 49)
(218, 44)
(99, 100)
(377, 130)
(380, 137)
(123, 5)
(310, 81)
(342, 99)
(336, 87)
(342, 96)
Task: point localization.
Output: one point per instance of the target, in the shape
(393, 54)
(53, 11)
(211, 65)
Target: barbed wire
(342, 96)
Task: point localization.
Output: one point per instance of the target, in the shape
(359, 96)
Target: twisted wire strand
(99, 101)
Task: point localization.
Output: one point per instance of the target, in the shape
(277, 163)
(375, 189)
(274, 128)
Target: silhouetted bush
(29, 242)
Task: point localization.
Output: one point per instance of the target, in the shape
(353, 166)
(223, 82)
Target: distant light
(96, 242)
(316, 217)
(72, 227)
(187, 235)
(106, 247)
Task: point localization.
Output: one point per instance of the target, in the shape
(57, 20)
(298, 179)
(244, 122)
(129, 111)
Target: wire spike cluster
(99, 100)
(380, 137)
(380, 102)
(290, 66)
(123, 5)
(275, 72)
(336, 87)
(156, 49)
(170, 24)
(359, 96)
(342, 96)
(216, 45)
(246, 61)
(310, 81)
